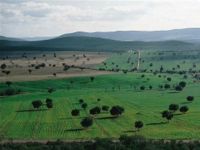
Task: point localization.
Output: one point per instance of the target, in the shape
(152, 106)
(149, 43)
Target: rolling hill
(82, 43)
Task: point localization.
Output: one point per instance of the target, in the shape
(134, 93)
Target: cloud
(13, 1)
(43, 18)
(36, 9)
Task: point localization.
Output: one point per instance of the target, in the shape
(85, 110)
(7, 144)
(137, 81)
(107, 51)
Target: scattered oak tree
(87, 122)
(138, 125)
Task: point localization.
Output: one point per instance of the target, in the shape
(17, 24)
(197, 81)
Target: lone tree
(173, 107)
(124, 71)
(116, 111)
(75, 112)
(169, 117)
(161, 69)
(167, 114)
(84, 106)
(49, 103)
(8, 83)
(190, 98)
(87, 122)
(81, 101)
(167, 86)
(3, 66)
(182, 84)
(96, 110)
(98, 99)
(48, 100)
(178, 88)
(30, 71)
(37, 104)
(169, 79)
(91, 79)
(184, 109)
(142, 88)
(7, 72)
(51, 90)
(138, 125)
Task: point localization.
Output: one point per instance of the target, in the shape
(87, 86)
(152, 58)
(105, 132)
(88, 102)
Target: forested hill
(82, 43)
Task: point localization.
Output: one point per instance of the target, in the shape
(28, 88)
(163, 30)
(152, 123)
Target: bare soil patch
(19, 66)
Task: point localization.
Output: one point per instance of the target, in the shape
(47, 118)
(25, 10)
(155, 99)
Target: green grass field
(18, 122)
(167, 59)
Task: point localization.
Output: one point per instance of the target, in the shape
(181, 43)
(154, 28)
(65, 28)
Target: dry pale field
(19, 66)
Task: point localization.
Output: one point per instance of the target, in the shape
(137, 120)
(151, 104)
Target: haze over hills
(25, 38)
(188, 34)
(10, 38)
(178, 39)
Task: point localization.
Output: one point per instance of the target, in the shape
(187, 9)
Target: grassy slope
(167, 59)
(57, 122)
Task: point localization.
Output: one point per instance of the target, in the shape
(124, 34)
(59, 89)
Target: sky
(35, 18)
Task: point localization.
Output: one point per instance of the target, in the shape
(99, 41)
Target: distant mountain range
(26, 38)
(10, 39)
(180, 39)
(188, 34)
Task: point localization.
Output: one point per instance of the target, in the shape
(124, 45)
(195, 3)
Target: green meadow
(19, 120)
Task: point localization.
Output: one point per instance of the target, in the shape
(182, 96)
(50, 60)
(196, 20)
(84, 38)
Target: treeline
(124, 143)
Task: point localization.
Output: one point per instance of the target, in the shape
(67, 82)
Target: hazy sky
(27, 18)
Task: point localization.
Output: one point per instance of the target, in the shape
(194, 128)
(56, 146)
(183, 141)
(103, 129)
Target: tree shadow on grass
(172, 92)
(178, 114)
(70, 118)
(156, 123)
(76, 103)
(109, 117)
(32, 110)
(130, 131)
(104, 112)
(74, 130)
(185, 103)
